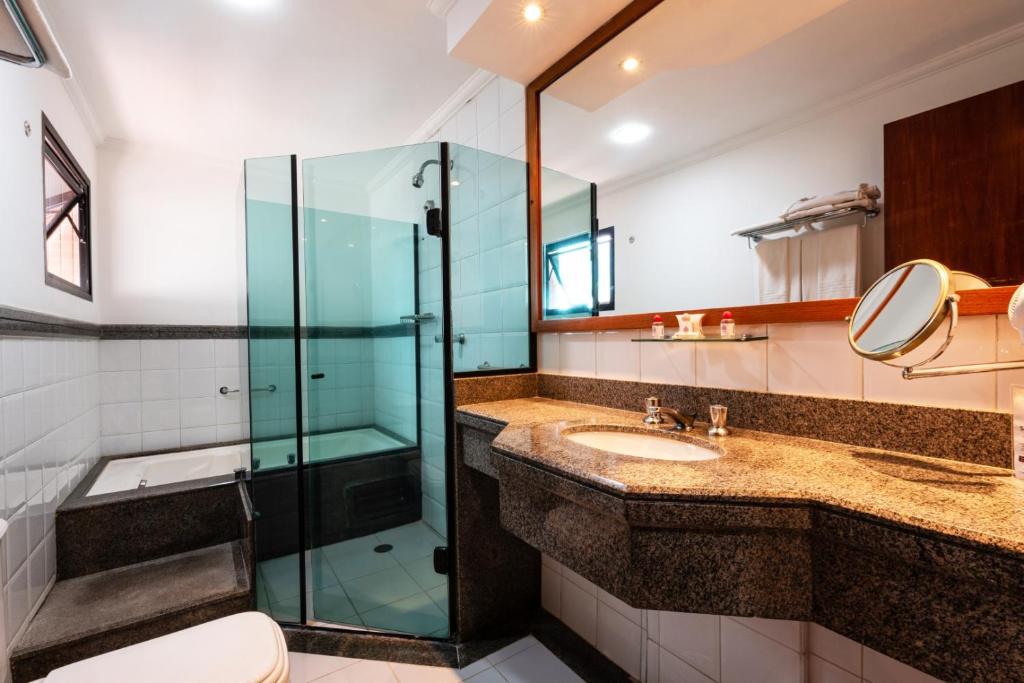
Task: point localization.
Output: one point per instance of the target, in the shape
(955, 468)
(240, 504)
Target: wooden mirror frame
(972, 302)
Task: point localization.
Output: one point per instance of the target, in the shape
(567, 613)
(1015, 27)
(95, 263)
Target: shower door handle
(417, 318)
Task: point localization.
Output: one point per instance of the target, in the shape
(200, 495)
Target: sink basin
(648, 445)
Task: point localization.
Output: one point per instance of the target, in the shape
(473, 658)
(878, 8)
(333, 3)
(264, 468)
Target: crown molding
(72, 85)
(440, 8)
(81, 104)
(949, 60)
(467, 91)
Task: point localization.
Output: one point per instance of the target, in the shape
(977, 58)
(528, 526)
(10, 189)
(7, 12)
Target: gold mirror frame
(973, 302)
(939, 312)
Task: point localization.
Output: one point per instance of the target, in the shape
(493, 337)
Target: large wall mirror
(704, 156)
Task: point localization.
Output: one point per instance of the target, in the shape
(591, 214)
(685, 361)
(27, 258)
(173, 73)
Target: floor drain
(383, 548)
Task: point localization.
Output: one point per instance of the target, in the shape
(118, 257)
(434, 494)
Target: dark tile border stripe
(15, 322)
(172, 332)
(967, 435)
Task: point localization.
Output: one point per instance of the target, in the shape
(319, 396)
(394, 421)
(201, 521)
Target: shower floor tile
(416, 614)
(394, 590)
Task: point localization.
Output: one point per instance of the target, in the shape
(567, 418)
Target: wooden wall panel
(954, 186)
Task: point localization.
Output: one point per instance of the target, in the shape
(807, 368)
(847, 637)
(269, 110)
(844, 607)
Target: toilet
(243, 648)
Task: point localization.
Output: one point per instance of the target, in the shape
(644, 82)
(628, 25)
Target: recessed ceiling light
(630, 133)
(252, 5)
(630, 64)
(533, 12)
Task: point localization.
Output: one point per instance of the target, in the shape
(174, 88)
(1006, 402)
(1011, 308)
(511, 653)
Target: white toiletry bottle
(657, 328)
(727, 327)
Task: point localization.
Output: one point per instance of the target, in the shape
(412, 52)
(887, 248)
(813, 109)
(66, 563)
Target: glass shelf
(737, 338)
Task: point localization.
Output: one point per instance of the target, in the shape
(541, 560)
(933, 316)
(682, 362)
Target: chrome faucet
(656, 414)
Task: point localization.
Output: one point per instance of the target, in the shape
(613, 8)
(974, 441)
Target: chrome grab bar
(417, 318)
(270, 388)
(458, 339)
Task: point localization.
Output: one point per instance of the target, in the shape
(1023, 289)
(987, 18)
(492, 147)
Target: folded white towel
(863, 191)
(773, 271)
(867, 203)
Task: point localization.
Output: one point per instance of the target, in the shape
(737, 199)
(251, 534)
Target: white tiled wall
(490, 302)
(676, 647)
(811, 359)
(49, 438)
(158, 394)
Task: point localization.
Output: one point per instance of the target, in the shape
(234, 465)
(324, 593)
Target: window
(606, 269)
(65, 218)
(569, 274)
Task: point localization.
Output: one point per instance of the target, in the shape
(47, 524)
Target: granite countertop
(975, 503)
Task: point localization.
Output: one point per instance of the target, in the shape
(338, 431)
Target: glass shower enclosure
(350, 368)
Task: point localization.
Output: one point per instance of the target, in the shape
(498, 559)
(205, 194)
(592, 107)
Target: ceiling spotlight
(532, 12)
(630, 133)
(252, 5)
(630, 64)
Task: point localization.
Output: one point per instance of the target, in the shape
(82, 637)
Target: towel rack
(756, 234)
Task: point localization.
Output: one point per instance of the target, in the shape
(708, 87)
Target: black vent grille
(371, 500)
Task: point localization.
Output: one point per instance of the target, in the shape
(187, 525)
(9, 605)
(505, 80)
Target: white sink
(653, 446)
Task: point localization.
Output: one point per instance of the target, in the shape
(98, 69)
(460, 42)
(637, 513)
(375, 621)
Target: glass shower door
(272, 279)
(376, 485)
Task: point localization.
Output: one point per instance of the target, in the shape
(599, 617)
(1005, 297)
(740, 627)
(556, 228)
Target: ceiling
(244, 78)
(493, 34)
(738, 73)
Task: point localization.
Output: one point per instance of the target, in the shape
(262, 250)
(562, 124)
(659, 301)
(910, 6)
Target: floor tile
(355, 557)
(422, 571)
(332, 604)
(417, 614)
(512, 649)
(536, 664)
(281, 576)
(363, 671)
(413, 673)
(382, 588)
(323, 574)
(306, 667)
(411, 541)
(489, 676)
(440, 596)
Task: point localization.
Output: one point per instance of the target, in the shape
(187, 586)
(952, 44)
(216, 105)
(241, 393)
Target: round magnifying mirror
(899, 314)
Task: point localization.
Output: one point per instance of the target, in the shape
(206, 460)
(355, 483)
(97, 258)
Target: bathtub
(125, 474)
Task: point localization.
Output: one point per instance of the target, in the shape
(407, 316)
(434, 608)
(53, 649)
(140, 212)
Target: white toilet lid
(243, 648)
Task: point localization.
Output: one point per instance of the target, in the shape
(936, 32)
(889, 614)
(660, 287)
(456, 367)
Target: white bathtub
(126, 474)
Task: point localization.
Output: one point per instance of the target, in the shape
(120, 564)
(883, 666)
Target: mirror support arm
(918, 373)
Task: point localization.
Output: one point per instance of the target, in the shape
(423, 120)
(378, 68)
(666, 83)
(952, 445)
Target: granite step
(92, 614)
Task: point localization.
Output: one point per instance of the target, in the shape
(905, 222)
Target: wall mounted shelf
(737, 338)
(756, 234)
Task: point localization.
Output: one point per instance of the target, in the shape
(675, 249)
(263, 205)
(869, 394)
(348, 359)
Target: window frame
(550, 250)
(55, 152)
(610, 304)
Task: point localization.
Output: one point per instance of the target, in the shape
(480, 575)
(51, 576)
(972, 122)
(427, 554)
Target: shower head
(418, 179)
